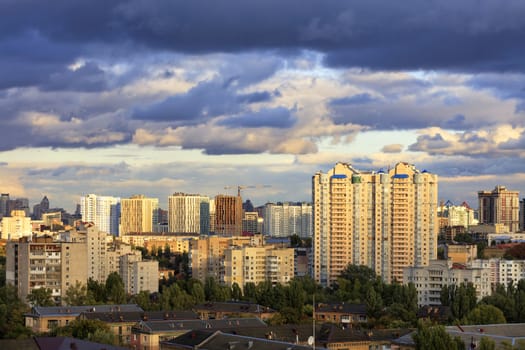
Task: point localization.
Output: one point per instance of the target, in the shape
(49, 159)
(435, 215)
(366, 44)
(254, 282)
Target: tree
(236, 292)
(486, 344)
(484, 314)
(12, 311)
(91, 330)
(430, 336)
(41, 297)
(115, 289)
(78, 295)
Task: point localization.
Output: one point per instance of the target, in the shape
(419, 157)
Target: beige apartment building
(152, 241)
(383, 220)
(42, 263)
(206, 254)
(258, 264)
(500, 206)
(16, 226)
(138, 214)
(139, 275)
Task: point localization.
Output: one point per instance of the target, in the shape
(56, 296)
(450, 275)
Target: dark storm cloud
(429, 143)
(207, 100)
(89, 78)
(446, 34)
(269, 117)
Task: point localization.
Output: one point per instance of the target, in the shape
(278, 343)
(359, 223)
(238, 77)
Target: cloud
(501, 140)
(393, 148)
(279, 117)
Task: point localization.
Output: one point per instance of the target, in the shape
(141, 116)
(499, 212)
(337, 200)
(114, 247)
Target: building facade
(429, 280)
(42, 263)
(16, 226)
(138, 214)
(258, 264)
(103, 211)
(383, 220)
(286, 219)
(139, 275)
(499, 206)
(228, 215)
(189, 213)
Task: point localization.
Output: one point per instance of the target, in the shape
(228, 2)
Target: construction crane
(243, 187)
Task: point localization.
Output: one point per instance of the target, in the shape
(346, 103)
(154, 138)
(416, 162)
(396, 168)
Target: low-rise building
(429, 280)
(43, 319)
(341, 313)
(220, 310)
(147, 335)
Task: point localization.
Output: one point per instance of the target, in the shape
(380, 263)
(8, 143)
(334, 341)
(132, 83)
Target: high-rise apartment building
(286, 219)
(103, 211)
(138, 214)
(228, 215)
(457, 215)
(189, 213)
(383, 220)
(499, 206)
(43, 263)
(251, 222)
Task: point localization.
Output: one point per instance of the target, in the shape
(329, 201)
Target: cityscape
(238, 174)
(385, 228)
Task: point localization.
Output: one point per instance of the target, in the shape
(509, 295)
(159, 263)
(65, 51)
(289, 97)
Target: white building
(16, 226)
(103, 211)
(286, 219)
(429, 280)
(189, 213)
(457, 215)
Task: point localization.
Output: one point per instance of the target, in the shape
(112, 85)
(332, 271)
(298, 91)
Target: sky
(161, 96)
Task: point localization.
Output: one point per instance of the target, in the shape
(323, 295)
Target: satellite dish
(310, 340)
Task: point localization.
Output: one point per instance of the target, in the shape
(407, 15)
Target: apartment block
(286, 219)
(16, 226)
(429, 280)
(500, 206)
(103, 211)
(228, 215)
(152, 242)
(457, 215)
(189, 213)
(258, 264)
(138, 214)
(383, 220)
(206, 254)
(139, 275)
(42, 263)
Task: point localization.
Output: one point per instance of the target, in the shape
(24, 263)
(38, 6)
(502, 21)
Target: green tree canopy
(115, 289)
(484, 314)
(78, 295)
(430, 336)
(12, 311)
(92, 330)
(41, 297)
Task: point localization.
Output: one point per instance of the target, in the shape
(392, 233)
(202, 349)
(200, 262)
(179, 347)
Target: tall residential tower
(500, 206)
(383, 220)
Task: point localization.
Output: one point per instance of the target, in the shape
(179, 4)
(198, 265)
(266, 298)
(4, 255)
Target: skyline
(159, 97)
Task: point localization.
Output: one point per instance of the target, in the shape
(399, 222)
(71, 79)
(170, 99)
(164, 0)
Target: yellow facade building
(383, 220)
(138, 214)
